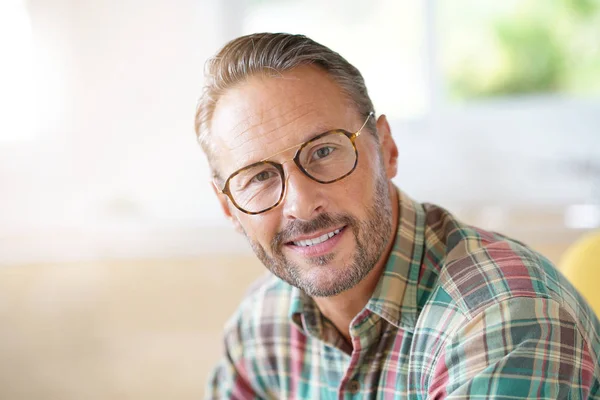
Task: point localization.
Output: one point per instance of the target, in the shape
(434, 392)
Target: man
(371, 295)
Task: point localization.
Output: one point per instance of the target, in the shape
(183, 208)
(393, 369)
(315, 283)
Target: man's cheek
(257, 235)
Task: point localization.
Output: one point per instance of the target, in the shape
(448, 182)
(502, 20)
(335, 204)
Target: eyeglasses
(326, 158)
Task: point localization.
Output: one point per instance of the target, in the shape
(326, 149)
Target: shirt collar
(395, 296)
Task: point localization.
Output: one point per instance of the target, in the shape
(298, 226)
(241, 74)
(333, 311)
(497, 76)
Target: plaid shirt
(458, 313)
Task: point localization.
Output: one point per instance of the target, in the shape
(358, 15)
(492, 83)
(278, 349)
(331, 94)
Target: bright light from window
(383, 39)
(16, 73)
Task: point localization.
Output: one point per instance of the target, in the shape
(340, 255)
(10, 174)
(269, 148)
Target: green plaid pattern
(459, 313)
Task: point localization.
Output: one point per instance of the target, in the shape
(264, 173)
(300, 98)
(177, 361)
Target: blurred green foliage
(531, 46)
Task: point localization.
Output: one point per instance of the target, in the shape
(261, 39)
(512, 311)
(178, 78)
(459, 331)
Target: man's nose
(304, 198)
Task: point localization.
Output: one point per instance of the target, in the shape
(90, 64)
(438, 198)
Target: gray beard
(371, 237)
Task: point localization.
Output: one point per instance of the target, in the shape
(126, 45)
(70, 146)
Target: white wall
(113, 169)
(118, 154)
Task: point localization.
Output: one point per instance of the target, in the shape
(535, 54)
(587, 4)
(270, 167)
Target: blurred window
(515, 47)
(415, 54)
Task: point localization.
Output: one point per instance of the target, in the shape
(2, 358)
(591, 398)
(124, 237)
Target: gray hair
(263, 52)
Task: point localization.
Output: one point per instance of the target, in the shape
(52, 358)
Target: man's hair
(272, 54)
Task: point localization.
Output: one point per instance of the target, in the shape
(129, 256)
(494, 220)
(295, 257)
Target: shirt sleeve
(522, 347)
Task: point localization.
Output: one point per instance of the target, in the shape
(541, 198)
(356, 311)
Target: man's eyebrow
(317, 130)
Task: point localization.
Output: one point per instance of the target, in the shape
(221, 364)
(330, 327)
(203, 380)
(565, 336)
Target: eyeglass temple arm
(214, 183)
(371, 114)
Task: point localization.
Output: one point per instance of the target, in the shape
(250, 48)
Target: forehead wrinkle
(247, 123)
(246, 157)
(263, 121)
(279, 133)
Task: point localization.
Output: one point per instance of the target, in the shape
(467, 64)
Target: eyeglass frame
(279, 166)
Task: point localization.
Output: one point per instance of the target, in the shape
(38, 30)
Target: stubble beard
(371, 237)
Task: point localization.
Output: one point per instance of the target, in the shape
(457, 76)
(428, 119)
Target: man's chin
(337, 259)
(326, 281)
(327, 261)
(322, 276)
(324, 290)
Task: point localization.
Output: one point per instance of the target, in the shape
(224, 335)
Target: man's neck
(342, 308)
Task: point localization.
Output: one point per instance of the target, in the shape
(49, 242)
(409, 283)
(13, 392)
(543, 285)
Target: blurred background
(117, 269)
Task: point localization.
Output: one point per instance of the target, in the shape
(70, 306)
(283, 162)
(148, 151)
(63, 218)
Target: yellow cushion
(581, 265)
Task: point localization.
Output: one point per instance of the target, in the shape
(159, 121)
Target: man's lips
(314, 249)
(316, 236)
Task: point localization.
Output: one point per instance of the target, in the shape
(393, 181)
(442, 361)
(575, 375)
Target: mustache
(297, 227)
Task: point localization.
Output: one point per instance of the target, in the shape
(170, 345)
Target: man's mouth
(311, 242)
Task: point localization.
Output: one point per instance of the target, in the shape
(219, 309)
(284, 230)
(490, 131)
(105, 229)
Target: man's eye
(323, 152)
(263, 176)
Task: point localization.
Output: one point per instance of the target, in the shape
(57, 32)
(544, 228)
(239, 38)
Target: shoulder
(482, 269)
(478, 268)
(490, 286)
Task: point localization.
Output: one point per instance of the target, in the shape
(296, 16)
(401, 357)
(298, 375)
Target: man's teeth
(320, 239)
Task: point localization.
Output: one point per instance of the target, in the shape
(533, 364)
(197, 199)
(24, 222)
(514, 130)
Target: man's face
(266, 115)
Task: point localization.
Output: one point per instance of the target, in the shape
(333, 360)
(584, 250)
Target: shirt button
(353, 386)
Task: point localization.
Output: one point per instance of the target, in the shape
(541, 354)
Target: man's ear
(389, 150)
(226, 207)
